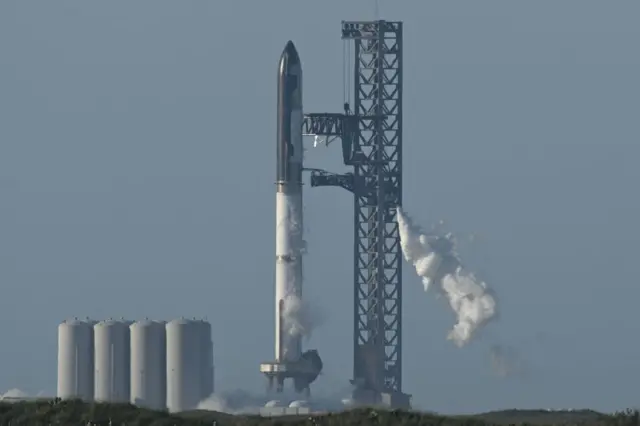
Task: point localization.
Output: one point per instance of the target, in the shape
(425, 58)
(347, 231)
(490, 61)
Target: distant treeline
(77, 413)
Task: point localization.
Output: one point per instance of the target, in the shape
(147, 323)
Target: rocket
(289, 225)
(290, 362)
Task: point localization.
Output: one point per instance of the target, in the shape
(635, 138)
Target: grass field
(77, 413)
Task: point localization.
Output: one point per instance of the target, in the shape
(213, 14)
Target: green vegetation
(77, 413)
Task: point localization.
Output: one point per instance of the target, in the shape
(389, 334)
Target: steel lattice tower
(372, 144)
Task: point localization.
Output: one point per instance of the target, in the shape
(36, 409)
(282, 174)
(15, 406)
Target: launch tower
(371, 136)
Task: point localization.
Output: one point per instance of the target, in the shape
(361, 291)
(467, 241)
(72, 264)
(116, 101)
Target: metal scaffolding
(371, 137)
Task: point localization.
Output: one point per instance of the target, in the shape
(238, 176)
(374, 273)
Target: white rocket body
(289, 247)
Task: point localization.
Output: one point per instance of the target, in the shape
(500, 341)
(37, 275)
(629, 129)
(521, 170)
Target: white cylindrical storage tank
(184, 339)
(75, 360)
(149, 364)
(206, 366)
(112, 364)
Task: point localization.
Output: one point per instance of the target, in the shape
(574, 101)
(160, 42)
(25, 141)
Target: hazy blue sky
(137, 149)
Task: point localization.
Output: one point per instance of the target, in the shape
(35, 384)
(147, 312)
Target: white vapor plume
(13, 393)
(436, 262)
(244, 402)
(299, 317)
(215, 403)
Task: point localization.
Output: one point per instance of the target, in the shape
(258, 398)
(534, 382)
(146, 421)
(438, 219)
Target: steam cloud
(434, 263)
(243, 402)
(216, 403)
(300, 318)
(17, 394)
(13, 393)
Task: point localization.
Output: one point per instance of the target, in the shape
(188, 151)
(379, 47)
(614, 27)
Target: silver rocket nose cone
(289, 57)
(291, 53)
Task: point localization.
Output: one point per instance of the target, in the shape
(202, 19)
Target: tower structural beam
(372, 144)
(378, 258)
